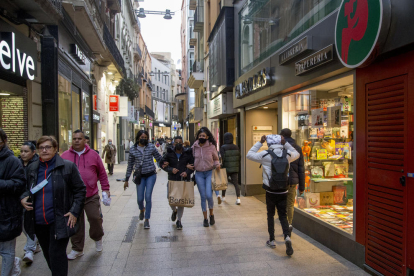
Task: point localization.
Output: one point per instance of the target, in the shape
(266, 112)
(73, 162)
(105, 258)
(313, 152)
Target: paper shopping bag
(181, 193)
(219, 180)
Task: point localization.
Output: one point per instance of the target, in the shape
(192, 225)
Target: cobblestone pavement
(235, 245)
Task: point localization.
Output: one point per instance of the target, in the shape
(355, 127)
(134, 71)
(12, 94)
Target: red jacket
(91, 169)
(205, 157)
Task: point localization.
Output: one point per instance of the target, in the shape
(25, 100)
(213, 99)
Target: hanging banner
(95, 102)
(113, 103)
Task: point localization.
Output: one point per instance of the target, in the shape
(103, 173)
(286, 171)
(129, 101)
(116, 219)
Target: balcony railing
(110, 43)
(137, 51)
(197, 67)
(138, 80)
(57, 4)
(199, 18)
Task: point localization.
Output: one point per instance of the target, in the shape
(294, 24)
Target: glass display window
(322, 124)
(65, 114)
(86, 111)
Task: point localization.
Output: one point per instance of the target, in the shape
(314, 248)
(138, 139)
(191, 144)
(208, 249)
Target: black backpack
(279, 180)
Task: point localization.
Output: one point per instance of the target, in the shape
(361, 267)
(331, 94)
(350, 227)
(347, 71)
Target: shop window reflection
(65, 114)
(76, 108)
(86, 113)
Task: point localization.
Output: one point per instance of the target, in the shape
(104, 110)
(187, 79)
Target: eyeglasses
(47, 148)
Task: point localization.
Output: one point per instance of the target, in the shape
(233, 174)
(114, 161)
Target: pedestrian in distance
(158, 147)
(205, 161)
(142, 156)
(230, 155)
(53, 200)
(12, 185)
(168, 144)
(109, 153)
(187, 144)
(175, 162)
(88, 143)
(91, 169)
(27, 156)
(296, 175)
(275, 162)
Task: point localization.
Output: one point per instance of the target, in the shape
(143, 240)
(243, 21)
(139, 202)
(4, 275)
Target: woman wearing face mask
(142, 155)
(27, 156)
(53, 201)
(205, 160)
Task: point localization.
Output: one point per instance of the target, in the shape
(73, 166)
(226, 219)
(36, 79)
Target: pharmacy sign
(359, 31)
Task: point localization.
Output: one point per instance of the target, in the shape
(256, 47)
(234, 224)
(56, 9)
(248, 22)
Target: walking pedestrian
(230, 154)
(91, 169)
(296, 175)
(187, 144)
(12, 185)
(109, 154)
(142, 156)
(175, 162)
(166, 145)
(205, 160)
(53, 201)
(283, 151)
(158, 147)
(27, 156)
(88, 143)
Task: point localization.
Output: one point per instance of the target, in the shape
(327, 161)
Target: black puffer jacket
(12, 185)
(297, 168)
(230, 154)
(69, 193)
(180, 164)
(34, 159)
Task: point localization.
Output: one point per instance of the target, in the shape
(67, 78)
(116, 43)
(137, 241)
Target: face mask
(179, 146)
(202, 140)
(143, 142)
(110, 143)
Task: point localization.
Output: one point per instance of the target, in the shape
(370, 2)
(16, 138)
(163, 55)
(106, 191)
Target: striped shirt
(135, 158)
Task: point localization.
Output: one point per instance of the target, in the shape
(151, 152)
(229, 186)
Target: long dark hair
(139, 135)
(208, 133)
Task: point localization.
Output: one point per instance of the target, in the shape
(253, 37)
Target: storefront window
(86, 109)
(322, 123)
(266, 26)
(65, 114)
(76, 108)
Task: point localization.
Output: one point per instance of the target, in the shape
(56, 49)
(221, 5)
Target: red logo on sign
(95, 102)
(114, 103)
(357, 25)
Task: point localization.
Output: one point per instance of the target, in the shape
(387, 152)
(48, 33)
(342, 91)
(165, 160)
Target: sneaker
(16, 269)
(212, 221)
(271, 244)
(290, 229)
(179, 225)
(38, 248)
(174, 215)
(205, 223)
(219, 199)
(223, 199)
(289, 249)
(146, 224)
(28, 257)
(141, 215)
(238, 201)
(98, 246)
(74, 254)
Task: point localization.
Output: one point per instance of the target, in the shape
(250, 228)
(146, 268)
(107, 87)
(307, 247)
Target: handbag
(136, 177)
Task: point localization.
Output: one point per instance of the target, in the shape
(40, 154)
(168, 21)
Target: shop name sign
(253, 84)
(315, 60)
(298, 48)
(18, 55)
(77, 54)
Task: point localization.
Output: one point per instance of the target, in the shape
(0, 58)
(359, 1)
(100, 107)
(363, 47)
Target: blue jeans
(144, 190)
(203, 180)
(7, 252)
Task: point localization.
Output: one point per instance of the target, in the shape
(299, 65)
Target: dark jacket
(69, 196)
(12, 185)
(297, 168)
(180, 164)
(230, 154)
(34, 159)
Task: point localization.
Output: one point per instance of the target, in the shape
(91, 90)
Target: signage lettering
(77, 54)
(297, 49)
(9, 53)
(317, 59)
(114, 103)
(253, 84)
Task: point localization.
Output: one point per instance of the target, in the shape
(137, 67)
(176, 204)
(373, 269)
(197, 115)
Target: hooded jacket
(12, 185)
(91, 168)
(297, 167)
(135, 158)
(265, 158)
(177, 163)
(230, 154)
(205, 157)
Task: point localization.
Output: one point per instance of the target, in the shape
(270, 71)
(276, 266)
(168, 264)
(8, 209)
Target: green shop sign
(361, 30)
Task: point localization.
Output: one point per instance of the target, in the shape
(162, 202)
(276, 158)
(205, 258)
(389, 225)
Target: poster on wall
(334, 116)
(344, 129)
(317, 118)
(114, 103)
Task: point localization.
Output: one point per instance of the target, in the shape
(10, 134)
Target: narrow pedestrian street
(235, 245)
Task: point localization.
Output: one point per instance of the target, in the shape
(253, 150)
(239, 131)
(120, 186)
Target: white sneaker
(16, 269)
(238, 201)
(74, 254)
(28, 257)
(223, 199)
(219, 199)
(98, 245)
(38, 248)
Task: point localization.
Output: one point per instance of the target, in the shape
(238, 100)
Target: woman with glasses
(12, 185)
(54, 200)
(142, 156)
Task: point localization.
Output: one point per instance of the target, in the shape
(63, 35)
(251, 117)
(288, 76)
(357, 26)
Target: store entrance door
(388, 147)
